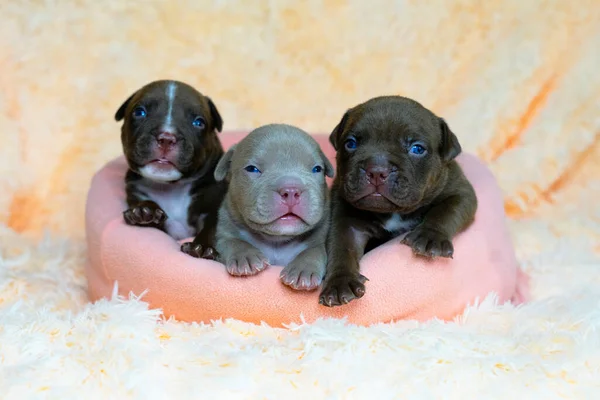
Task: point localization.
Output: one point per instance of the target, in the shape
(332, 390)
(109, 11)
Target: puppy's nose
(166, 140)
(290, 195)
(377, 174)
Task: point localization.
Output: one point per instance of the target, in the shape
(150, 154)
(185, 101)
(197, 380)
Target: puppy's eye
(252, 169)
(139, 112)
(317, 169)
(199, 122)
(417, 150)
(350, 144)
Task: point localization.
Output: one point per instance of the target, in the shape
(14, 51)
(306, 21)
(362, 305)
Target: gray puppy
(276, 211)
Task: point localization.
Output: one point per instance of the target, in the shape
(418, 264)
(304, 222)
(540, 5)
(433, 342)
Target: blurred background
(516, 80)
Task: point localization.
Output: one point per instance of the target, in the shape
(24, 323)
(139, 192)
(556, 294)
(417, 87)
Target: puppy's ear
(335, 135)
(214, 113)
(449, 147)
(329, 171)
(224, 164)
(120, 114)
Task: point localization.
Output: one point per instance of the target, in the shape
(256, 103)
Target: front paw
(342, 289)
(429, 243)
(301, 276)
(246, 263)
(199, 251)
(145, 214)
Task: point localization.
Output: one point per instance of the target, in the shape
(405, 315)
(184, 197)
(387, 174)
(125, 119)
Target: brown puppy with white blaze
(396, 175)
(276, 211)
(169, 138)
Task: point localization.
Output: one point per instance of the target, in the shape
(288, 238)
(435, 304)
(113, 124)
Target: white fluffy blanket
(53, 344)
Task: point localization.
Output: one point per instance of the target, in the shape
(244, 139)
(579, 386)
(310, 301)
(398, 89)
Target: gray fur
(247, 238)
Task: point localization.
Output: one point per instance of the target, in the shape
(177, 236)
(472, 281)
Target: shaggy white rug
(53, 344)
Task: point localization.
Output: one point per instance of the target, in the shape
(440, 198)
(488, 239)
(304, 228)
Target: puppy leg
(343, 280)
(141, 211)
(307, 270)
(433, 237)
(146, 213)
(203, 245)
(240, 257)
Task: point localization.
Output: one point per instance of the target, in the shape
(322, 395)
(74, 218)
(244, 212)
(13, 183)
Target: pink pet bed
(401, 286)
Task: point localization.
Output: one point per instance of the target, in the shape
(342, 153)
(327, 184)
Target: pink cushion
(401, 286)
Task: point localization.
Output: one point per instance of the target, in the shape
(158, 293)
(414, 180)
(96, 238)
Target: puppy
(396, 175)
(276, 211)
(169, 138)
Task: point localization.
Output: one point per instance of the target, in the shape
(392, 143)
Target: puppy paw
(342, 289)
(429, 243)
(199, 251)
(301, 276)
(246, 263)
(145, 214)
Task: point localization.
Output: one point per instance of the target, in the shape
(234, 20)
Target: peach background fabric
(516, 80)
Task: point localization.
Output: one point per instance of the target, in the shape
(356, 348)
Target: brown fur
(199, 150)
(423, 197)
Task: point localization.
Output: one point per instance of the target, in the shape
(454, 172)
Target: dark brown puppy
(169, 138)
(396, 175)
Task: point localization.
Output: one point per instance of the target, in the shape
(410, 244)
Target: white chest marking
(174, 199)
(170, 92)
(277, 253)
(397, 224)
(150, 171)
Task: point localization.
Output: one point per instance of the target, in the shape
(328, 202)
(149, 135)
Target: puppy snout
(166, 140)
(377, 173)
(291, 194)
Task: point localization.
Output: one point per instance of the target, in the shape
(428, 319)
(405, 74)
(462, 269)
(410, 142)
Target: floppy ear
(214, 113)
(449, 147)
(329, 171)
(120, 114)
(224, 164)
(335, 135)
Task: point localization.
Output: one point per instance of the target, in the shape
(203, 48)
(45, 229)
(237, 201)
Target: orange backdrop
(517, 81)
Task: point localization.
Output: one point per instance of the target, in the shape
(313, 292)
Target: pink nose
(290, 195)
(377, 174)
(166, 140)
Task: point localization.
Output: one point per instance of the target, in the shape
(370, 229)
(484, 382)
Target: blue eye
(139, 112)
(199, 122)
(317, 169)
(252, 168)
(350, 144)
(417, 149)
